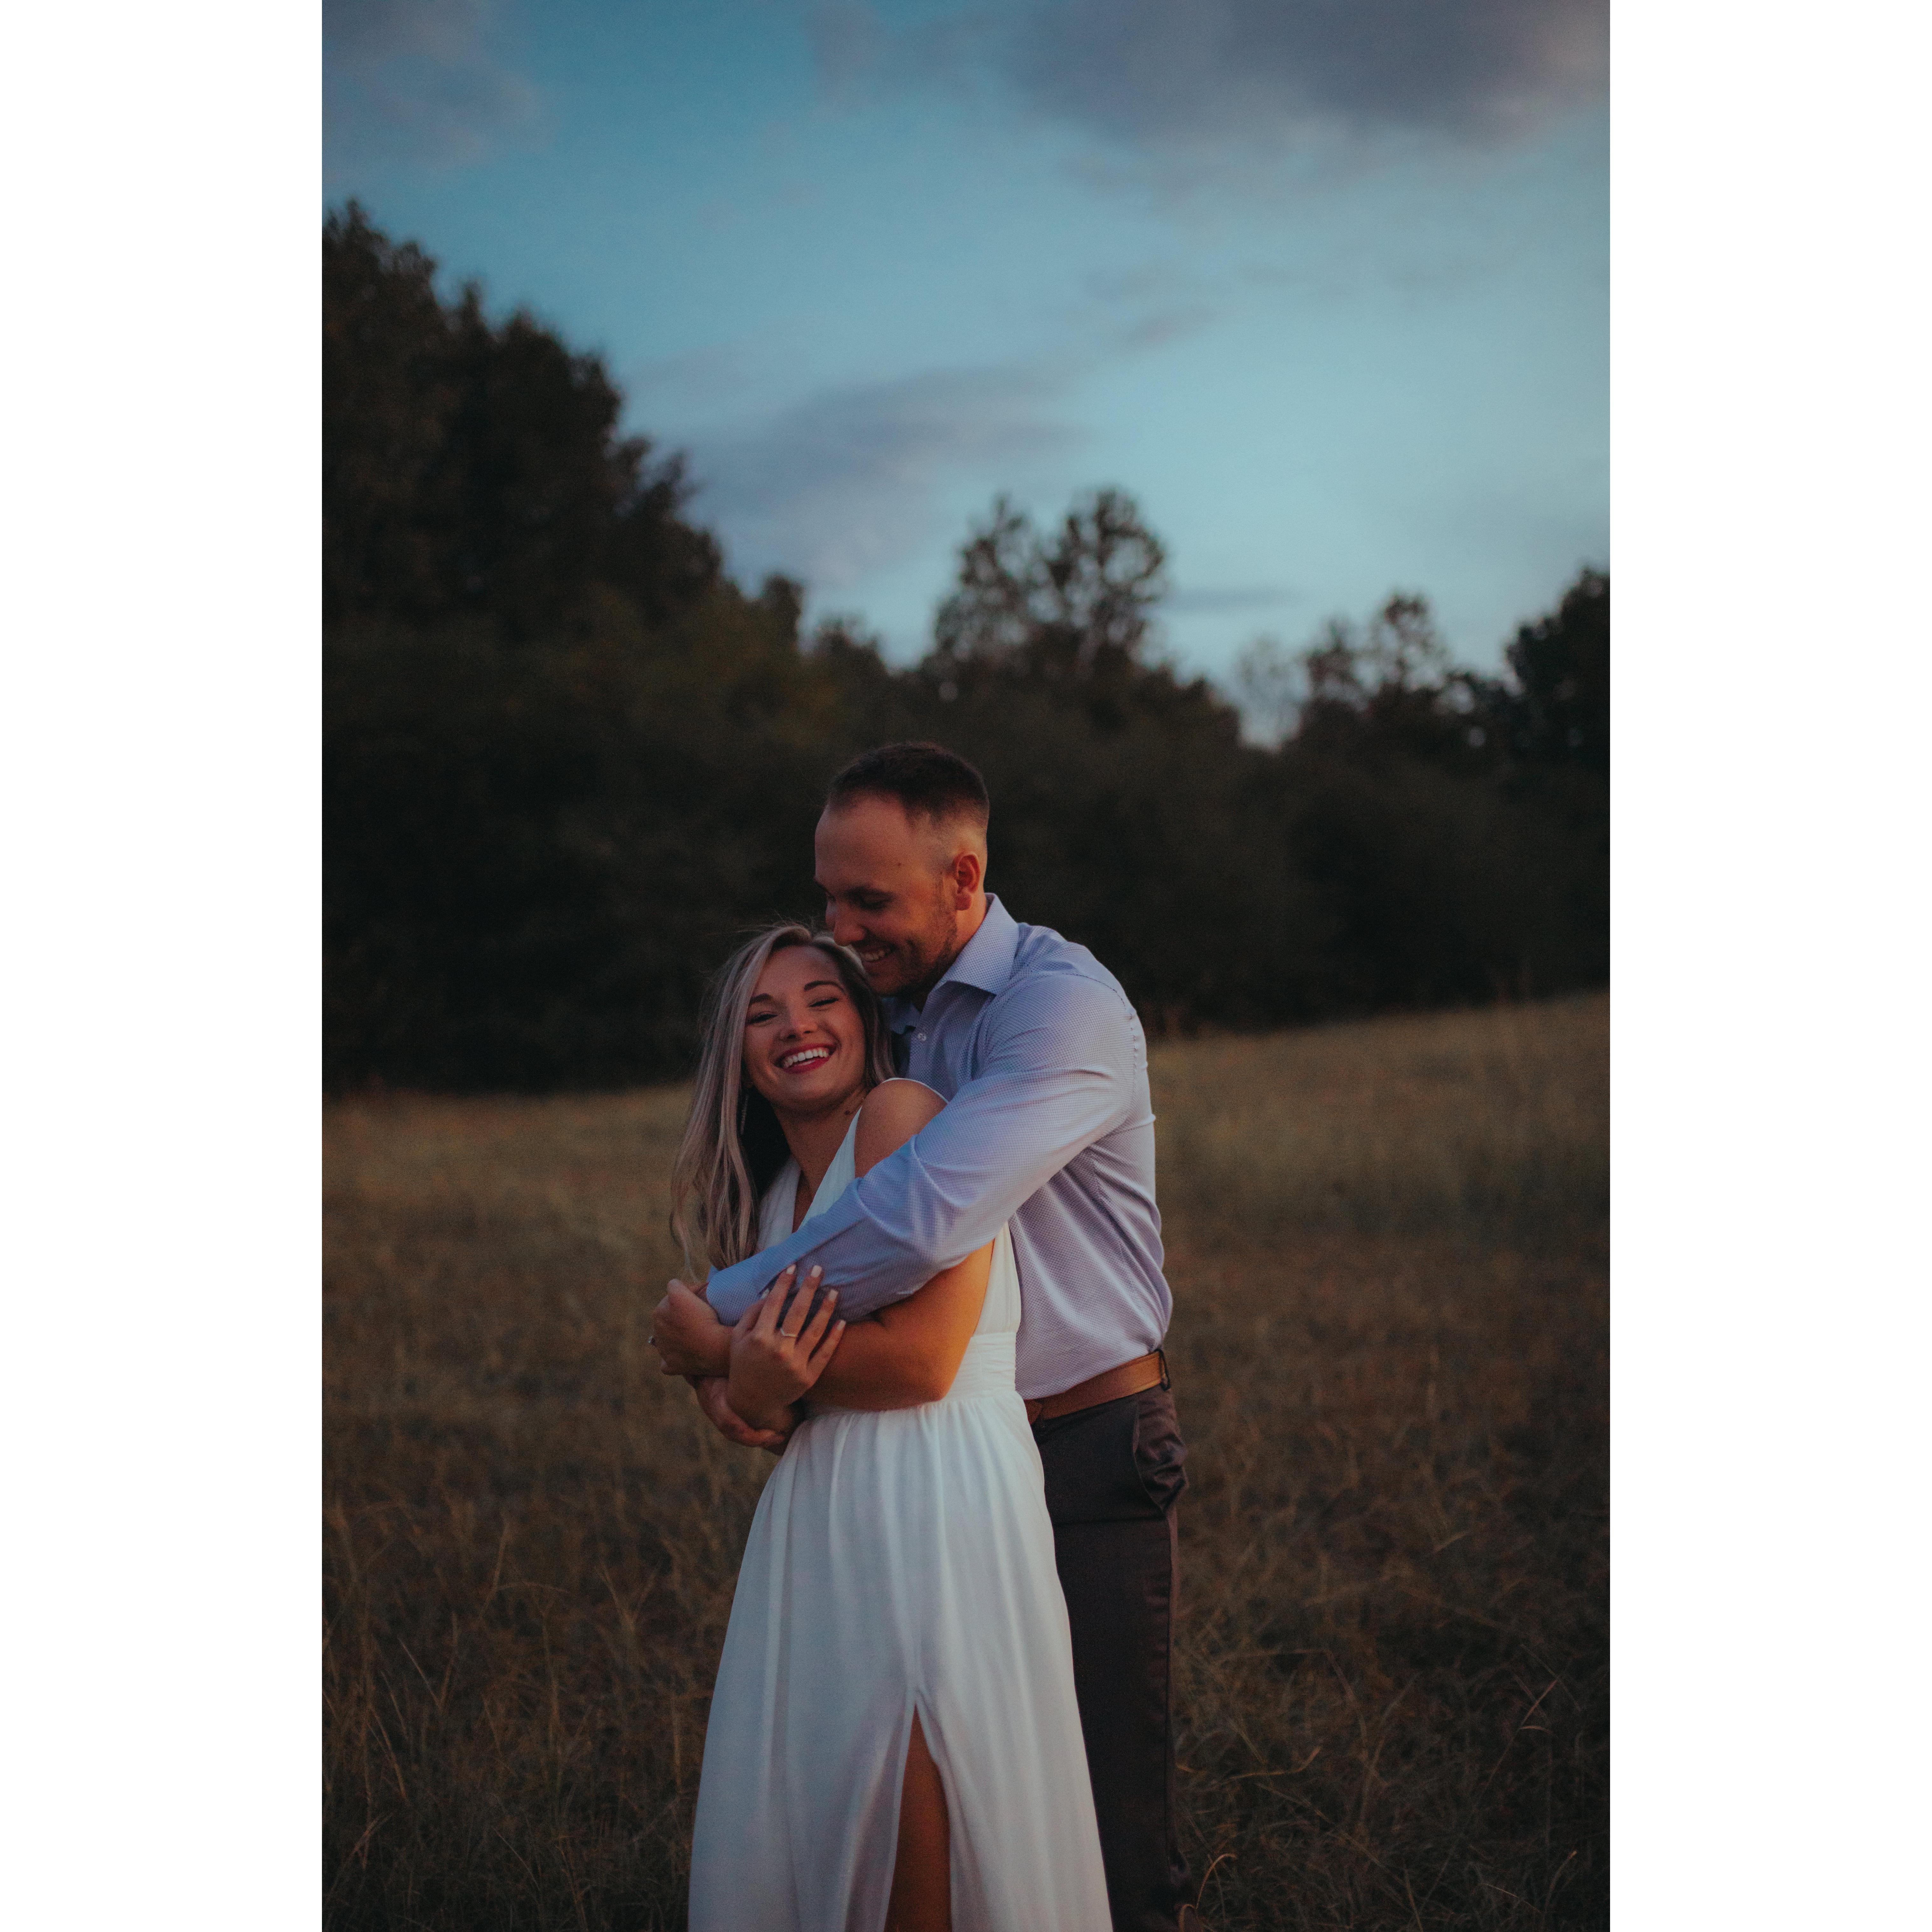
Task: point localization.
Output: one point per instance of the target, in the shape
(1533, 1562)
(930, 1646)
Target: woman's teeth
(808, 1056)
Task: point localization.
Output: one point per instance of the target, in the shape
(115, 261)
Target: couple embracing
(919, 1165)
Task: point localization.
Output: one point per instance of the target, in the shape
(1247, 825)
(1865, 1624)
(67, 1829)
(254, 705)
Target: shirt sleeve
(1058, 1073)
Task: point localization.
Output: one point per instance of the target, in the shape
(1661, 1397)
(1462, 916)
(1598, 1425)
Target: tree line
(567, 757)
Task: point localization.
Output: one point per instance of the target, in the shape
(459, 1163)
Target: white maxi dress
(900, 1560)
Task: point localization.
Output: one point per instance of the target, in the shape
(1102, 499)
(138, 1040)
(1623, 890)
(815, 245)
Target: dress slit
(919, 1721)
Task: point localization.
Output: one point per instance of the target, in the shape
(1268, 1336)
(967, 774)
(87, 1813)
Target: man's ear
(969, 875)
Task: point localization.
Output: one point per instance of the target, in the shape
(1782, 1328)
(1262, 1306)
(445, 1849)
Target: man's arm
(714, 1398)
(1059, 1073)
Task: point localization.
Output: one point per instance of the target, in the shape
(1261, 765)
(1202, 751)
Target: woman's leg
(922, 1899)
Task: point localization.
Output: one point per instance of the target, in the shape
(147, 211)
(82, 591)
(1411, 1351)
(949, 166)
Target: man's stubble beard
(935, 953)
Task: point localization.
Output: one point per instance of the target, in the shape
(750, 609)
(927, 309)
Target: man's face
(891, 891)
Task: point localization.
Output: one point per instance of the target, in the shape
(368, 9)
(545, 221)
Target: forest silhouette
(567, 757)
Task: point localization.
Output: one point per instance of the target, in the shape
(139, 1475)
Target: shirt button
(922, 1036)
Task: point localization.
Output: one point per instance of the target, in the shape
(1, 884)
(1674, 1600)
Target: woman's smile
(805, 1042)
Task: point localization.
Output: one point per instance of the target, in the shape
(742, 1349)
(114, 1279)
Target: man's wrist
(779, 1421)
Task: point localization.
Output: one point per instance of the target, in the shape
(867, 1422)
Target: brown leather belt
(1129, 1378)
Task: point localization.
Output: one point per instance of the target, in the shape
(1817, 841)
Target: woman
(893, 1740)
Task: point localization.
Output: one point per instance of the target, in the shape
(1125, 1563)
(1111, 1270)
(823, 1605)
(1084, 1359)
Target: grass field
(1387, 1245)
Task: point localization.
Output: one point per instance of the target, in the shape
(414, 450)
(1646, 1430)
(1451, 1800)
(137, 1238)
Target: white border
(1769, 427)
(160, 775)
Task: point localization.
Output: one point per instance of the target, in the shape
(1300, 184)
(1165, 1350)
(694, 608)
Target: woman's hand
(771, 1366)
(688, 1337)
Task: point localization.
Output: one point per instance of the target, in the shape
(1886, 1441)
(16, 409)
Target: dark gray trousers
(1114, 1474)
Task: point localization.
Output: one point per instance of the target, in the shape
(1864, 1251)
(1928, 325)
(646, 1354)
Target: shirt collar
(986, 962)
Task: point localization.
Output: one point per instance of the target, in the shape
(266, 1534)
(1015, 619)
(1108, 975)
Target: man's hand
(688, 1337)
(713, 1397)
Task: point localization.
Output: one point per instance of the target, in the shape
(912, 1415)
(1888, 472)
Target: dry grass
(1387, 1243)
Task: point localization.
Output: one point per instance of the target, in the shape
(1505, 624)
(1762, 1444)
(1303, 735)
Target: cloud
(419, 80)
(1153, 74)
(1156, 329)
(858, 55)
(1172, 81)
(849, 44)
(847, 481)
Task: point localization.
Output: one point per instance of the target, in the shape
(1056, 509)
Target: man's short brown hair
(928, 781)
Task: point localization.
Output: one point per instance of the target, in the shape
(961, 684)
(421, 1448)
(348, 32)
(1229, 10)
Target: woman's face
(805, 1041)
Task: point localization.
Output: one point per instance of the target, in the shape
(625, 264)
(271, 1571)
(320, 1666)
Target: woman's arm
(910, 1350)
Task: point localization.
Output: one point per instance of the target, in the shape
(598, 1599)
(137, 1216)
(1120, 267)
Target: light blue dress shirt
(1049, 1127)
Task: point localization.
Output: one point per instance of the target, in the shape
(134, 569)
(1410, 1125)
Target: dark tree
(1419, 801)
(1070, 609)
(474, 470)
(1072, 615)
(1561, 663)
(1391, 689)
(388, 395)
(567, 758)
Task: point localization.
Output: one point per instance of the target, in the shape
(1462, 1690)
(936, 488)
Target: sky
(1323, 284)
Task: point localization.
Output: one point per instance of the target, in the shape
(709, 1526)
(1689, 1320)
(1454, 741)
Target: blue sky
(1324, 285)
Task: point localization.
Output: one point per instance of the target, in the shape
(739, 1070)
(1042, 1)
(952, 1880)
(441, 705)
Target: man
(1049, 1128)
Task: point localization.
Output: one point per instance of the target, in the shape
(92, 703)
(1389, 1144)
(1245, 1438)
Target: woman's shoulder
(891, 1114)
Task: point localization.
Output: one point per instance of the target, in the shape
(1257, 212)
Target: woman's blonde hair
(733, 1147)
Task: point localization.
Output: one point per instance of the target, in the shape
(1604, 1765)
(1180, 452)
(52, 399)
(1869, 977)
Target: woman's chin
(814, 1097)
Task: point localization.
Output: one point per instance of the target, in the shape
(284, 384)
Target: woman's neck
(815, 1139)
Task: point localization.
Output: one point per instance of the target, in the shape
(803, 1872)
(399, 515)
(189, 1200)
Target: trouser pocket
(1117, 1461)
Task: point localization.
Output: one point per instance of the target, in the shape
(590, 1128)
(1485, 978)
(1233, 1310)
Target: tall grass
(1387, 1247)
(1493, 1124)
